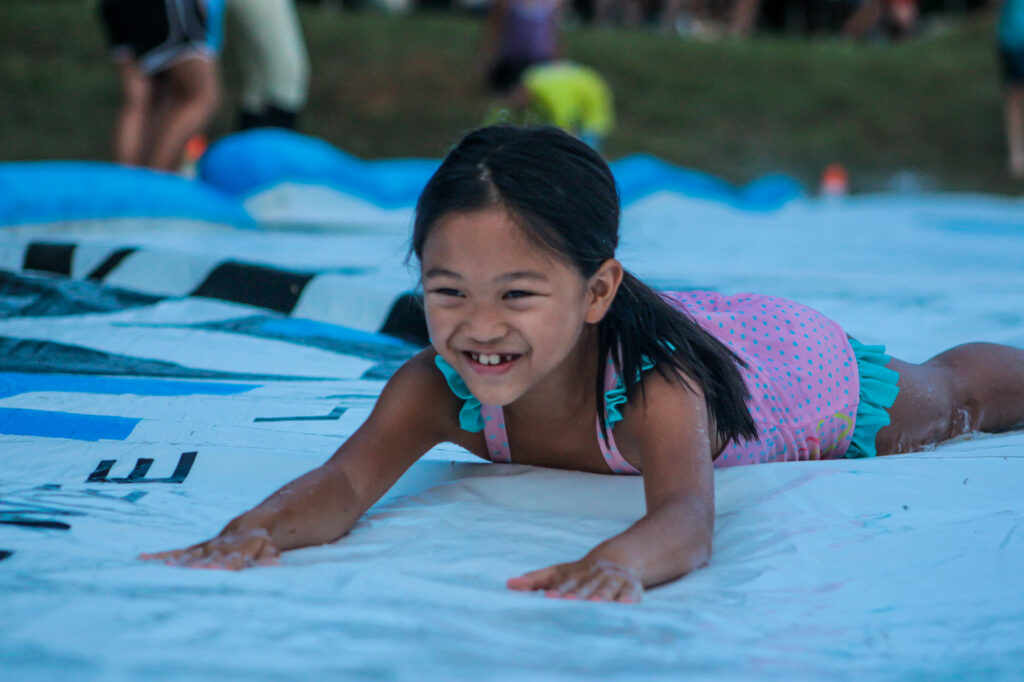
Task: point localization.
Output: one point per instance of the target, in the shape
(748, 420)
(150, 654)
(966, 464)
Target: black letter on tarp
(138, 475)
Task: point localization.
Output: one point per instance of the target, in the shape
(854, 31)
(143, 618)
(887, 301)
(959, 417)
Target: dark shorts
(155, 33)
(507, 71)
(1011, 64)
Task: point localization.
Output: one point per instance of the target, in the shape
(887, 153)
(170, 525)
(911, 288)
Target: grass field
(391, 86)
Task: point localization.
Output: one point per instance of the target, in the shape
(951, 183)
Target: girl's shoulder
(418, 395)
(669, 409)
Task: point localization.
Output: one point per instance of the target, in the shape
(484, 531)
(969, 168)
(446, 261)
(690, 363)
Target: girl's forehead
(493, 228)
(486, 239)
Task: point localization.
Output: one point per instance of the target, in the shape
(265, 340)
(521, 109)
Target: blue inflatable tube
(248, 163)
(35, 192)
(641, 175)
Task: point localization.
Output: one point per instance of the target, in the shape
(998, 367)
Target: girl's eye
(444, 291)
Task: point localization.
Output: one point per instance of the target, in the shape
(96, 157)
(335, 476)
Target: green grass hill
(409, 85)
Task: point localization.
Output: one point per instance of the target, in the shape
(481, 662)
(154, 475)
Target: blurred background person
(1010, 39)
(275, 63)
(893, 19)
(165, 53)
(573, 97)
(517, 35)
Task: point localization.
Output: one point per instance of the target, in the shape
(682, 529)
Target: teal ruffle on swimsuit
(471, 420)
(878, 390)
(469, 416)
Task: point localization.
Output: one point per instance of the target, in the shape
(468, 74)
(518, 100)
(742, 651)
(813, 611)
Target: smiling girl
(546, 351)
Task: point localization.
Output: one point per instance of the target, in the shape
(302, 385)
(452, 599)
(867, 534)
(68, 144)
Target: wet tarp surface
(157, 378)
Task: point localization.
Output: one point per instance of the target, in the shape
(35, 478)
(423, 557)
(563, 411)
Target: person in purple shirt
(518, 34)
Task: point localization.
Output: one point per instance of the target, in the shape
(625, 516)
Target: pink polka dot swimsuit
(801, 374)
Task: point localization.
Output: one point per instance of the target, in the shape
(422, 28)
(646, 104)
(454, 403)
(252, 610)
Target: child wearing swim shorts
(546, 351)
(165, 53)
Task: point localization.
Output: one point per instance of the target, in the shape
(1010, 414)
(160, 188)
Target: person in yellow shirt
(565, 94)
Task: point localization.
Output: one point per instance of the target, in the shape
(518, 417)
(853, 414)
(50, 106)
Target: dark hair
(563, 195)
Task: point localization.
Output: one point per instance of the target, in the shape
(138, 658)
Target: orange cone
(194, 149)
(835, 181)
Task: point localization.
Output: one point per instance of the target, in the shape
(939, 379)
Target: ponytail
(641, 328)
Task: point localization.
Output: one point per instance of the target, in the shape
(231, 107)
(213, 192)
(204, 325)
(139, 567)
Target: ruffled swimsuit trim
(878, 391)
(475, 417)
(469, 416)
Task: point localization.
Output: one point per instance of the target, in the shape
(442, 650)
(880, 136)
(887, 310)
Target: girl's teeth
(492, 358)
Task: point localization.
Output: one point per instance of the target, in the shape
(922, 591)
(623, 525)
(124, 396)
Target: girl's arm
(322, 505)
(670, 430)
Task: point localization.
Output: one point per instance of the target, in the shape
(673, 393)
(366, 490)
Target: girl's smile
(502, 311)
(491, 363)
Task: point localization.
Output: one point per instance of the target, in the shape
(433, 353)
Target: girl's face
(503, 312)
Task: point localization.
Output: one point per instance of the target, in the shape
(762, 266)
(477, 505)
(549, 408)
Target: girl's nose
(485, 325)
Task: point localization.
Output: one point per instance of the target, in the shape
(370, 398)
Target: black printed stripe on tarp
(254, 285)
(28, 295)
(109, 263)
(257, 285)
(49, 257)
(32, 356)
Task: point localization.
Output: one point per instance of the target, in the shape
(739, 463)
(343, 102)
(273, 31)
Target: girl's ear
(601, 289)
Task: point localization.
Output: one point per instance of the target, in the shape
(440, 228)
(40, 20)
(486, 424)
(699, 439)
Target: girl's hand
(588, 578)
(233, 551)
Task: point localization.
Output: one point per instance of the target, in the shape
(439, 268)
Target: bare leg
(973, 387)
(1014, 112)
(865, 18)
(132, 121)
(744, 17)
(192, 92)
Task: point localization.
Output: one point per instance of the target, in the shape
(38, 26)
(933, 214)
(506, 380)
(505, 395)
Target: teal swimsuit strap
(475, 417)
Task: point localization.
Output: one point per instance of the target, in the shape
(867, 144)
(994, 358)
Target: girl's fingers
(594, 581)
(563, 589)
(606, 590)
(631, 593)
(590, 586)
(169, 555)
(579, 580)
(534, 580)
(224, 552)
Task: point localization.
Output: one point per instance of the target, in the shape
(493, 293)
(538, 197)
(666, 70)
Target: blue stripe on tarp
(15, 383)
(46, 424)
